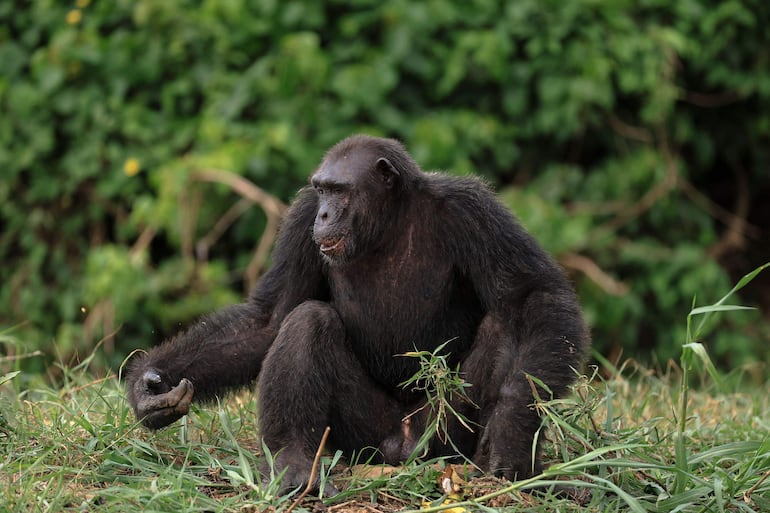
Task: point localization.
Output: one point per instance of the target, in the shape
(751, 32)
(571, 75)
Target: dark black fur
(374, 259)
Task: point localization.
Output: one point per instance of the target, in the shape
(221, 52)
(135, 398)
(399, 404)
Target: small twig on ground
(382, 493)
(341, 505)
(747, 493)
(313, 471)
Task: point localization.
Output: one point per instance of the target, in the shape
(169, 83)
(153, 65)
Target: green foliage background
(631, 137)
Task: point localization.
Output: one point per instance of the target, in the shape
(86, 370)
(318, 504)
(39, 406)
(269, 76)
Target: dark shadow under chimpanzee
(374, 259)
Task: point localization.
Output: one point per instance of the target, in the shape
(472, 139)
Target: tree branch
(594, 273)
(273, 207)
(269, 203)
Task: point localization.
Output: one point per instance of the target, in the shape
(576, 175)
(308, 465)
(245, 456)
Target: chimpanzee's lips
(331, 245)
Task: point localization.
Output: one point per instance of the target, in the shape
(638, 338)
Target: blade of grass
(690, 349)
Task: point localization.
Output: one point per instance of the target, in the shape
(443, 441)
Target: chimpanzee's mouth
(331, 246)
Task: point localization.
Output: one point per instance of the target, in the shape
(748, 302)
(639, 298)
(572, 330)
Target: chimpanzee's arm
(519, 284)
(533, 325)
(224, 350)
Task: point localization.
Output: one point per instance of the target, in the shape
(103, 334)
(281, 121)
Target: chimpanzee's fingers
(160, 410)
(183, 405)
(179, 394)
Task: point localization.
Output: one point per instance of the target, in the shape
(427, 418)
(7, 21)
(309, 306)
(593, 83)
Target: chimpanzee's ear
(387, 171)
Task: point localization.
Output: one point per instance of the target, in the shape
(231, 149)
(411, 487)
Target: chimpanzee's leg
(497, 367)
(311, 379)
(491, 424)
(507, 420)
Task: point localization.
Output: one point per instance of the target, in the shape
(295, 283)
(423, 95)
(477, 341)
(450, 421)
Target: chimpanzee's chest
(394, 304)
(403, 288)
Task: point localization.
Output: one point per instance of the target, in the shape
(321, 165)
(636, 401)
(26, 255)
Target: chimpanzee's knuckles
(152, 381)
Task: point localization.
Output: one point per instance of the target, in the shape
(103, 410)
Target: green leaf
(8, 377)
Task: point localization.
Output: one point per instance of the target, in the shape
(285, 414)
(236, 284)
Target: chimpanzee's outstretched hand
(158, 404)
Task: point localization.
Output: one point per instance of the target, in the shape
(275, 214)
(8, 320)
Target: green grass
(626, 440)
(77, 448)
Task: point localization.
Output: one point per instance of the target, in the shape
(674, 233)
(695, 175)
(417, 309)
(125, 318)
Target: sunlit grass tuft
(78, 448)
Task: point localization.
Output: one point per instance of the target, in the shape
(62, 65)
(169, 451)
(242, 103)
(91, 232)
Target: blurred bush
(630, 137)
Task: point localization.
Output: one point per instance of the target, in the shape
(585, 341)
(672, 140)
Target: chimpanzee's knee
(310, 325)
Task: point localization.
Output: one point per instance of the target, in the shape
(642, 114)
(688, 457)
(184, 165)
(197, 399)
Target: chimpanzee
(375, 259)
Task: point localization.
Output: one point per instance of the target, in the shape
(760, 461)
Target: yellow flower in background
(74, 16)
(82, 3)
(131, 167)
